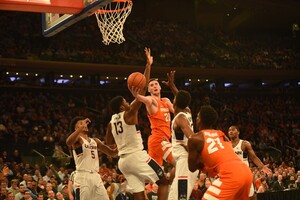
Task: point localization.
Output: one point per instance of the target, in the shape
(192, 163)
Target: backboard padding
(53, 23)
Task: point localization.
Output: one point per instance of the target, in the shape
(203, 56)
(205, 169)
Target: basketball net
(111, 19)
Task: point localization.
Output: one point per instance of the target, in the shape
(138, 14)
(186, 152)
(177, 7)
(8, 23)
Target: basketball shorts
(234, 182)
(183, 182)
(89, 186)
(160, 149)
(139, 168)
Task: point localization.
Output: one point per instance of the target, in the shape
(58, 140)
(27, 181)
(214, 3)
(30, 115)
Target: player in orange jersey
(211, 150)
(159, 109)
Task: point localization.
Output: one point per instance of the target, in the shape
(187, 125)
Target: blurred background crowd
(34, 126)
(189, 46)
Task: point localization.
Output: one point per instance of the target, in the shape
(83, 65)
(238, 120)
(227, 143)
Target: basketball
(136, 79)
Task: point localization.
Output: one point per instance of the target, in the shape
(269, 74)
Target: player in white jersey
(243, 149)
(182, 129)
(87, 182)
(135, 164)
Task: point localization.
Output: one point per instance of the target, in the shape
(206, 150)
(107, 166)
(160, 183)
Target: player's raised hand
(266, 169)
(148, 56)
(170, 77)
(135, 91)
(5, 171)
(83, 126)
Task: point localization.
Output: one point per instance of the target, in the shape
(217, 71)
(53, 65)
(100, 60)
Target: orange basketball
(136, 79)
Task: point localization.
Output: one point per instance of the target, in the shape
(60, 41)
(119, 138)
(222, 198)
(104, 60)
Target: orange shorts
(234, 182)
(160, 149)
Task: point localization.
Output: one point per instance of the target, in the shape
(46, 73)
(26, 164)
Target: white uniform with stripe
(184, 179)
(239, 152)
(135, 164)
(87, 182)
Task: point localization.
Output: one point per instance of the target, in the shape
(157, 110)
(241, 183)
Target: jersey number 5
(118, 127)
(214, 145)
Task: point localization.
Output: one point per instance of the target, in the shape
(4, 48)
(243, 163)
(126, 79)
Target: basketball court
(58, 15)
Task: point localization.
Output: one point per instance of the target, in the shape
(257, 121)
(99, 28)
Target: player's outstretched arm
(170, 83)
(195, 145)
(147, 100)
(109, 138)
(148, 65)
(182, 123)
(135, 105)
(106, 149)
(255, 159)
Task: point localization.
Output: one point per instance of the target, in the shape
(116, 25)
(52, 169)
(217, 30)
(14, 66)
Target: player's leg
(99, 191)
(139, 196)
(173, 192)
(233, 183)
(168, 157)
(139, 167)
(155, 149)
(81, 184)
(183, 182)
(245, 183)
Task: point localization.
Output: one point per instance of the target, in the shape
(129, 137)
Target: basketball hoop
(111, 19)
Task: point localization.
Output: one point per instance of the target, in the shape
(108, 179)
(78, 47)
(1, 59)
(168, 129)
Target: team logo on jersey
(164, 109)
(90, 146)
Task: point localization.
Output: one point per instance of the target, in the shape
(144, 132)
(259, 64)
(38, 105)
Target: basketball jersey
(127, 137)
(179, 138)
(161, 120)
(239, 152)
(215, 150)
(86, 158)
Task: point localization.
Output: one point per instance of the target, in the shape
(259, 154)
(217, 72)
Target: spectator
(279, 185)
(264, 186)
(21, 192)
(10, 196)
(48, 175)
(3, 193)
(270, 179)
(14, 186)
(196, 193)
(40, 196)
(37, 175)
(30, 188)
(5, 157)
(16, 157)
(27, 195)
(51, 195)
(298, 182)
(207, 183)
(65, 191)
(59, 196)
(292, 183)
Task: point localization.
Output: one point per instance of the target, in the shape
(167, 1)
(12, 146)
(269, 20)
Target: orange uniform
(159, 146)
(234, 177)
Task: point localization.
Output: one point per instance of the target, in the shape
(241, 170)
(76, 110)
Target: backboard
(53, 23)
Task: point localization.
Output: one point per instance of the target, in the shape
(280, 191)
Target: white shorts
(139, 168)
(184, 180)
(89, 186)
